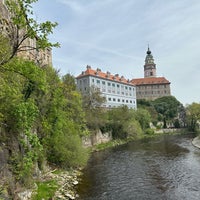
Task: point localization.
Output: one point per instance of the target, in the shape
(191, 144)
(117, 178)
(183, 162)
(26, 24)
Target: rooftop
(98, 73)
(150, 80)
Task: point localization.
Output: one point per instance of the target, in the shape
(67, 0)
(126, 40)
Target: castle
(28, 48)
(120, 91)
(151, 87)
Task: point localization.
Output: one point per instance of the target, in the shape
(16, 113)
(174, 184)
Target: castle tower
(150, 66)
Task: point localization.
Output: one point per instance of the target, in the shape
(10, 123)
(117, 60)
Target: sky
(113, 35)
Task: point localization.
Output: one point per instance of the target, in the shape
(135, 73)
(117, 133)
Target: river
(166, 167)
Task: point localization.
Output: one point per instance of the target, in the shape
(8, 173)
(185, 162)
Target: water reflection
(167, 167)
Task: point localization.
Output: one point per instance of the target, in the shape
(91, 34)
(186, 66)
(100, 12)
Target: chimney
(88, 67)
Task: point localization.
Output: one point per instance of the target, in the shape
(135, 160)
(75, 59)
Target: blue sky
(113, 35)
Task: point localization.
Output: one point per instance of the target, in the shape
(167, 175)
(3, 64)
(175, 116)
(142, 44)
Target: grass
(45, 190)
(109, 144)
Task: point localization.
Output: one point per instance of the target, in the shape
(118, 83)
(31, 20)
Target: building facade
(27, 49)
(117, 90)
(151, 87)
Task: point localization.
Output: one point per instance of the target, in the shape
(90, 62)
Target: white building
(117, 90)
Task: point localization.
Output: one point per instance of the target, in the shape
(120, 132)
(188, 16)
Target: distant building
(28, 47)
(117, 90)
(151, 87)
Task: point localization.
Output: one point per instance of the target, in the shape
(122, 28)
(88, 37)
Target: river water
(167, 167)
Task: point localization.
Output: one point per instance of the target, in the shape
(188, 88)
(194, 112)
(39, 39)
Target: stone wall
(96, 138)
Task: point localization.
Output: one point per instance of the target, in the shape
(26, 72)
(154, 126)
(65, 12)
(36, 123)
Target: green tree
(22, 26)
(92, 104)
(193, 116)
(122, 123)
(143, 117)
(167, 107)
(61, 121)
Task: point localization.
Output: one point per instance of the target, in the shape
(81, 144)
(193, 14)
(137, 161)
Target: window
(123, 100)
(114, 99)
(109, 99)
(117, 85)
(118, 100)
(93, 80)
(129, 88)
(130, 101)
(113, 85)
(126, 87)
(103, 82)
(98, 81)
(126, 101)
(108, 84)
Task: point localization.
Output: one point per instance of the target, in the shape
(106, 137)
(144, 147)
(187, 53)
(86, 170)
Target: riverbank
(113, 143)
(57, 185)
(196, 142)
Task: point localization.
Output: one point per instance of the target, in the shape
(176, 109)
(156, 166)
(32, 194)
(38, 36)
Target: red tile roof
(150, 81)
(98, 73)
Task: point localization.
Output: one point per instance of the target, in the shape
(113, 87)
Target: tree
(122, 123)
(193, 116)
(143, 117)
(167, 107)
(22, 26)
(92, 104)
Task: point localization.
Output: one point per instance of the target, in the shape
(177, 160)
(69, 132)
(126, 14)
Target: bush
(67, 151)
(149, 131)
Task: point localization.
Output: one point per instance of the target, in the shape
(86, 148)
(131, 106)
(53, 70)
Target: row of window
(121, 100)
(153, 92)
(112, 84)
(152, 86)
(117, 92)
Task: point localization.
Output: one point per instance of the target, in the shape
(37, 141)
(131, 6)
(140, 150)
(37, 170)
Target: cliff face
(7, 185)
(9, 147)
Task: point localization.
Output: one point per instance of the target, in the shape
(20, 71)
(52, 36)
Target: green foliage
(133, 129)
(61, 121)
(45, 190)
(5, 52)
(94, 113)
(193, 116)
(123, 123)
(149, 131)
(48, 118)
(166, 109)
(143, 117)
(25, 114)
(167, 106)
(67, 151)
(23, 26)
